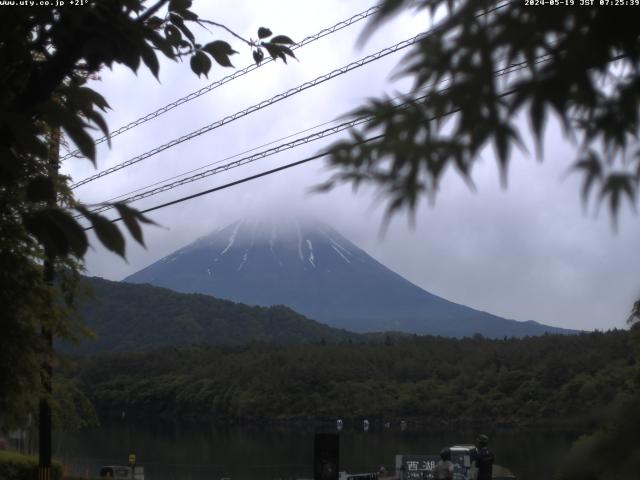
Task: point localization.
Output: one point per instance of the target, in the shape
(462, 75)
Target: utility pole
(44, 420)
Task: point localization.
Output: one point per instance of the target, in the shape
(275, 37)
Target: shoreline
(376, 424)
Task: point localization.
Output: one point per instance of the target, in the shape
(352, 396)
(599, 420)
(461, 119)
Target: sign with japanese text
(416, 467)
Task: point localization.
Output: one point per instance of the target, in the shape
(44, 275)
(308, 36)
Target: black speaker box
(326, 456)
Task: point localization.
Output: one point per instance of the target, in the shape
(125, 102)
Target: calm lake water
(178, 451)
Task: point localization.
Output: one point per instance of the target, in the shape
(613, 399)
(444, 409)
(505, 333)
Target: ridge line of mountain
(317, 272)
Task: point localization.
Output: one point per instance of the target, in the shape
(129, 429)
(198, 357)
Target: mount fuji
(314, 270)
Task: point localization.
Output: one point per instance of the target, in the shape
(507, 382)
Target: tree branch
(219, 25)
(151, 10)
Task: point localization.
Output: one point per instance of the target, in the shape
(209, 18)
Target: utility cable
(237, 182)
(508, 69)
(274, 170)
(265, 103)
(243, 161)
(217, 162)
(238, 73)
(277, 149)
(258, 106)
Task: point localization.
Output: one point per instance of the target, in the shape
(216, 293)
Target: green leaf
(161, 43)
(288, 51)
(264, 32)
(179, 5)
(59, 115)
(174, 37)
(635, 312)
(127, 52)
(97, 99)
(275, 51)
(258, 56)
(200, 63)
(132, 219)
(155, 23)
(46, 233)
(278, 51)
(282, 39)
(28, 140)
(97, 50)
(592, 169)
(220, 51)
(150, 60)
(615, 186)
(189, 15)
(98, 119)
(73, 231)
(41, 189)
(57, 231)
(538, 118)
(178, 21)
(106, 231)
(83, 141)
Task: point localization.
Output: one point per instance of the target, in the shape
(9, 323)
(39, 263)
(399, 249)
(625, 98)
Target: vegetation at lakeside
(51, 58)
(17, 466)
(510, 381)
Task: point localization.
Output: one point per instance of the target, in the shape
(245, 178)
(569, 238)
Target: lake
(181, 451)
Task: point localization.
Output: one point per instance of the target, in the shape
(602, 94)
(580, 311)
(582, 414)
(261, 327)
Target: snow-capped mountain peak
(311, 268)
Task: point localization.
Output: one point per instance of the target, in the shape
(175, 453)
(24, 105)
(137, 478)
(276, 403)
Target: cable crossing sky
(345, 22)
(300, 141)
(218, 83)
(258, 106)
(265, 103)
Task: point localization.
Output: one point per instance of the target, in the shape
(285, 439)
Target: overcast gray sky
(529, 252)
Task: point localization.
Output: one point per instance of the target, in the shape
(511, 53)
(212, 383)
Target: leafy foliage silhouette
(48, 55)
(590, 81)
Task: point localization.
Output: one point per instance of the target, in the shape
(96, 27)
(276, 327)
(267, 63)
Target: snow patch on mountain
(340, 253)
(232, 238)
(311, 257)
(335, 244)
(244, 259)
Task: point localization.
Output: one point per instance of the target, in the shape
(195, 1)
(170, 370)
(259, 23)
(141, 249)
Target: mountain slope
(319, 273)
(129, 317)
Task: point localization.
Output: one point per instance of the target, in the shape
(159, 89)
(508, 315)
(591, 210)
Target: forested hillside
(511, 381)
(319, 273)
(127, 317)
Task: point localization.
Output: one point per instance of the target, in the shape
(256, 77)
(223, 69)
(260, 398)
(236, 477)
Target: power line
(258, 106)
(300, 162)
(277, 149)
(237, 182)
(243, 161)
(217, 162)
(337, 72)
(238, 73)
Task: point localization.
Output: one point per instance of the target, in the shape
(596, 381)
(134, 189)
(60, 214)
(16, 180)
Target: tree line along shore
(528, 381)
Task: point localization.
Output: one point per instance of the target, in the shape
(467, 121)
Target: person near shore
(444, 467)
(484, 458)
